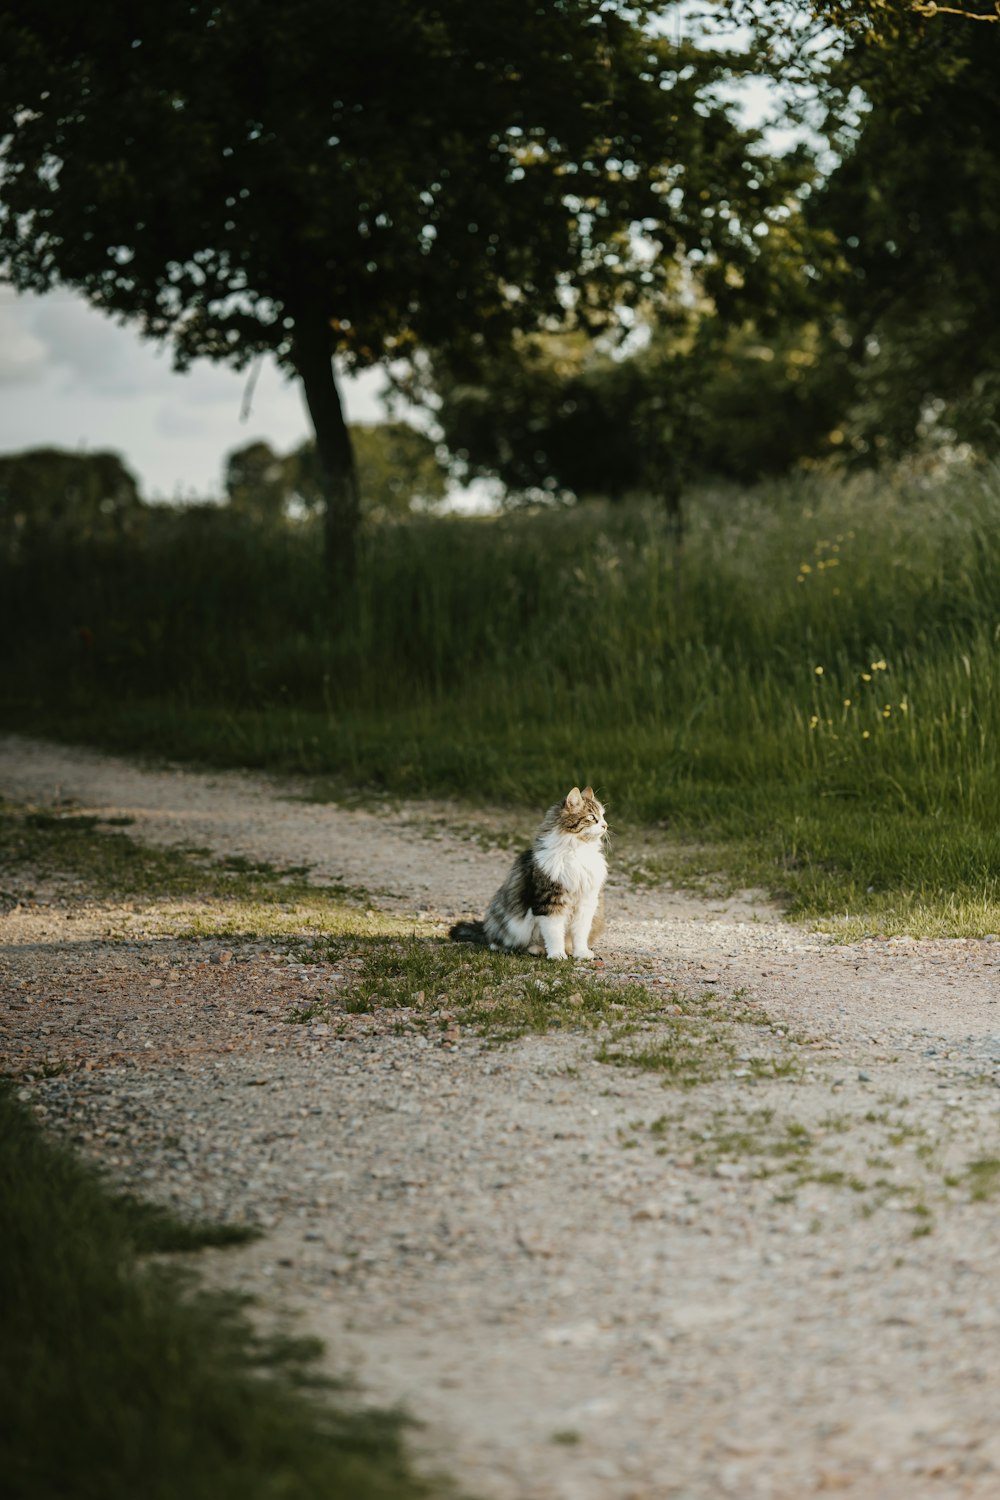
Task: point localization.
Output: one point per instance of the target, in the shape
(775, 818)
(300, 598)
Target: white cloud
(73, 378)
(22, 353)
(83, 345)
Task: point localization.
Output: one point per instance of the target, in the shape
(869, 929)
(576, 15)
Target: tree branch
(931, 8)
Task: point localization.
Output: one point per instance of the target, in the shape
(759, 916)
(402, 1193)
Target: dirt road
(588, 1285)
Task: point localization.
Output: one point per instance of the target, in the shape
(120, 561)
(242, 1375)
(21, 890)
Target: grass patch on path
(121, 1377)
(438, 986)
(80, 857)
(502, 995)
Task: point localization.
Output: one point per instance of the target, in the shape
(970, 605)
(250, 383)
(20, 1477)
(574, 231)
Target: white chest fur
(578, 865)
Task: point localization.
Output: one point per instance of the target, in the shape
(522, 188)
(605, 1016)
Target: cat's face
(583, 816)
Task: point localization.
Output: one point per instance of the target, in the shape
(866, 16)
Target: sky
(70, 377)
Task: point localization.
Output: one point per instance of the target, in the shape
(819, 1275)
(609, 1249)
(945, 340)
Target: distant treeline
(50, 494)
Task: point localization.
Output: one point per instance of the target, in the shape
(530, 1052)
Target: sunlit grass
(186, 891)
(942, 915)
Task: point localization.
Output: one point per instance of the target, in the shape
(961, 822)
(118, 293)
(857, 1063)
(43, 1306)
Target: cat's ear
(588, 794)
(574, 800)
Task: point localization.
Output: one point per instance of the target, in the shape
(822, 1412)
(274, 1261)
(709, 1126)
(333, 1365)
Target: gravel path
(588, 1285)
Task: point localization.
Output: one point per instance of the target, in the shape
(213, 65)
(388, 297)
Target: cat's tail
(469, 932)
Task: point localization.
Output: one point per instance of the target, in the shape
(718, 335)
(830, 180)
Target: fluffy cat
(551, 902)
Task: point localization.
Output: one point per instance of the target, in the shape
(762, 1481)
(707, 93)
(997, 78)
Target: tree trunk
(314, 363)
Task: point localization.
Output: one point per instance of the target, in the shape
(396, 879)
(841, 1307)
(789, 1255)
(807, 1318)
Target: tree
(882, 21)
(913, 204)
(398, 469)
(256, 482)
(317, 180)
(47, 493)
(527, 415)
(912, 120)
(699, 400)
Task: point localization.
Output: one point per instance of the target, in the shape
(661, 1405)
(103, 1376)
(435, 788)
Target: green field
(803, 693)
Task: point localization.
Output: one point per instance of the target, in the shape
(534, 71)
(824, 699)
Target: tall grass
(813, 669)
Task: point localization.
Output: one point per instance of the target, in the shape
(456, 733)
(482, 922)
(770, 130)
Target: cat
(552, 900)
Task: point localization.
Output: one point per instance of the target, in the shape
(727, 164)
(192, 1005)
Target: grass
(500, 995)
(983, 1177)
(442, 987)
(807, 692)
(698, 1038)
(202, 896)
(439, 986)
(120, 1376)
(763, 1144)
(685, 1055)
(749, 1137)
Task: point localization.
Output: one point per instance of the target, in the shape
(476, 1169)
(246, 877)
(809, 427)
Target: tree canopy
(444, 190)
(915, 208)
(314, 180)
(888, 343)
(699, 400)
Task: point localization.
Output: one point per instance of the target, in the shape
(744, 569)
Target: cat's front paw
(555, 955)
(583, 953)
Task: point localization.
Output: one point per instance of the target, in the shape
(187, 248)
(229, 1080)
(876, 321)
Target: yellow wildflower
(865, 735)
(847, 702)
(818, 671)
